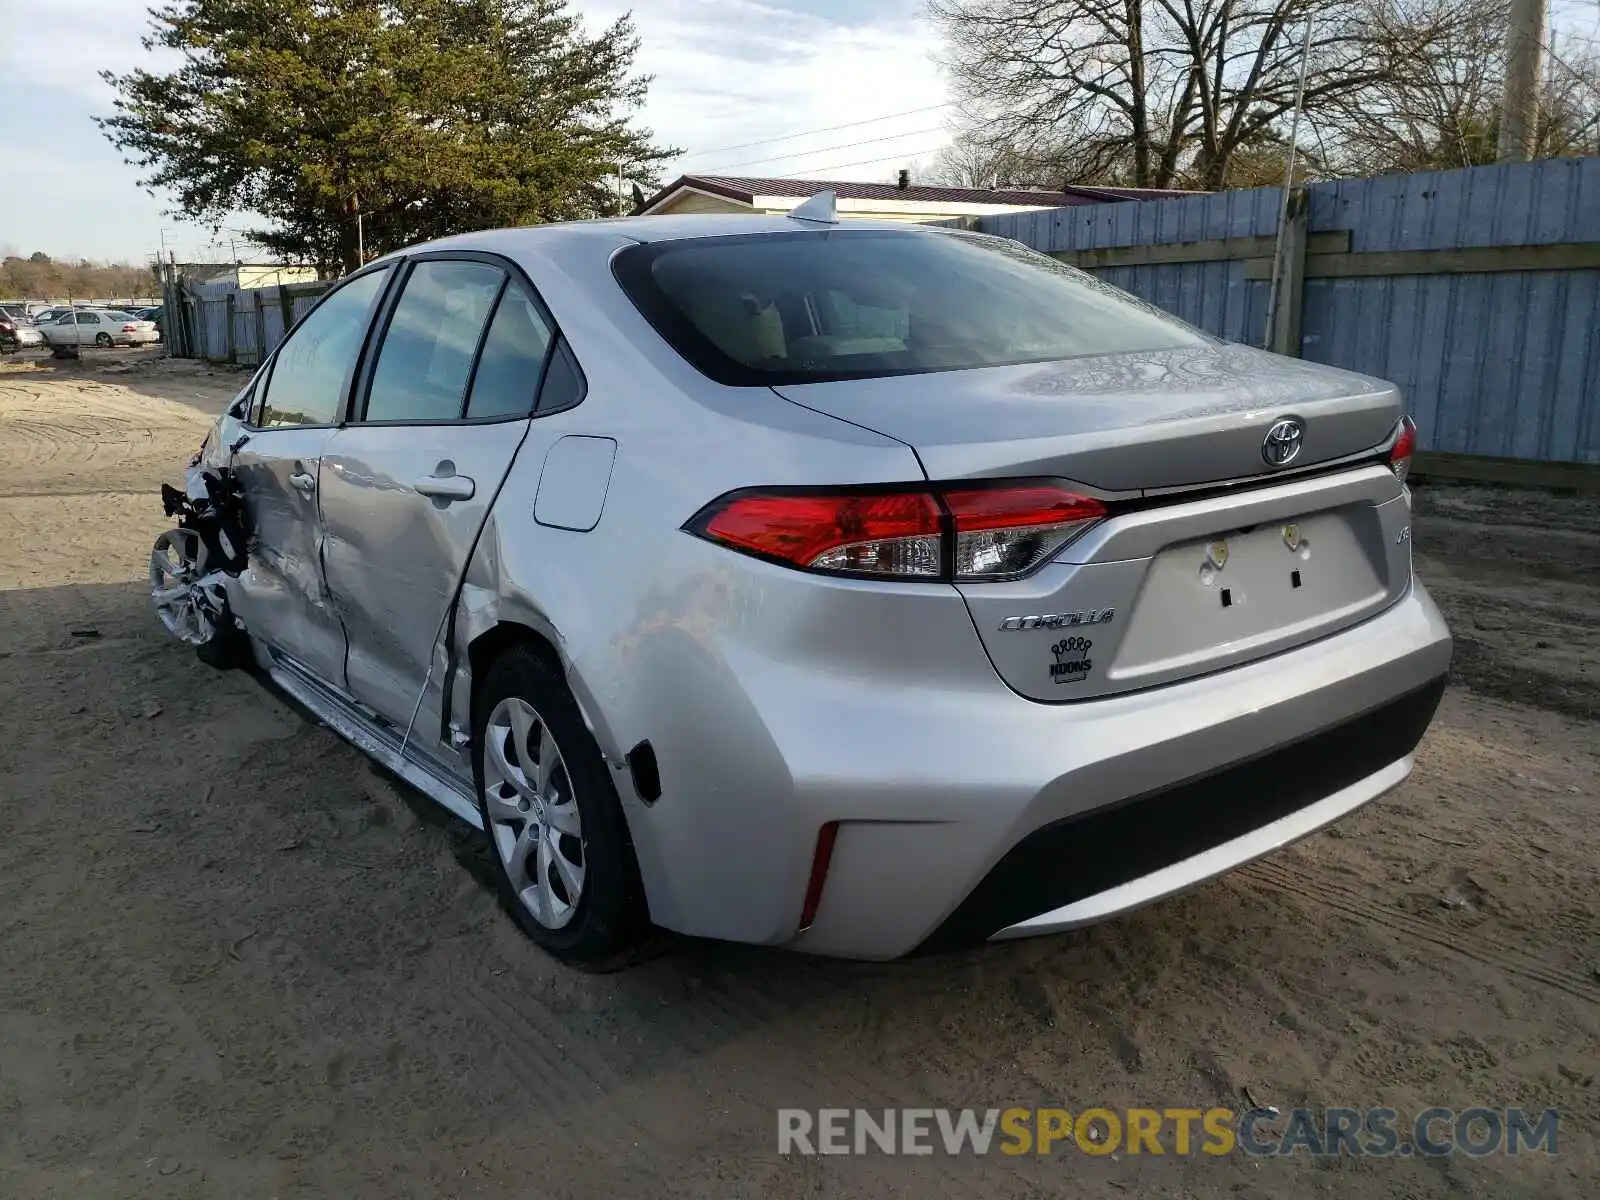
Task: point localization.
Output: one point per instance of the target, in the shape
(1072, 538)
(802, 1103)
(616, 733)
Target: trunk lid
(1158, 594)
(1180, 579)
(1121, 423)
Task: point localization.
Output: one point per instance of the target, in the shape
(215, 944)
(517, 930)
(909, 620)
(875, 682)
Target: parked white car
(99, 327)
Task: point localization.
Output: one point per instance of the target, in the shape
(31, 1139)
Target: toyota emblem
(1282, 444)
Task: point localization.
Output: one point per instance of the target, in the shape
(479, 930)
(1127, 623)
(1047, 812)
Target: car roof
(620, 231)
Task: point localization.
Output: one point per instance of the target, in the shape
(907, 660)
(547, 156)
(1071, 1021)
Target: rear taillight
(1405, 445)
(130, 328)
(1004, 532)
(967, 533)
(894, 534)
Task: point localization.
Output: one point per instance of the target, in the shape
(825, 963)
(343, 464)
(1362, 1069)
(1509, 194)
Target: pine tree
(426, 117)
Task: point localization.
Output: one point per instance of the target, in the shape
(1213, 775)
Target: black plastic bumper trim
(1083, 855)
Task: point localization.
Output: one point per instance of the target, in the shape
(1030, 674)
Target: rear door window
(425, 363)
(512, 362)
(803, 307)
(564, 382)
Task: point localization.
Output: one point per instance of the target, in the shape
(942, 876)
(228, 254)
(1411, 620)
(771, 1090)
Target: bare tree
(1160, 93)
(973, 160)
(1445, 111)
(1569, 118)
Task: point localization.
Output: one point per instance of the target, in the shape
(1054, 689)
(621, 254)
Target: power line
(817, 150)
(789, 137)
(862, 163)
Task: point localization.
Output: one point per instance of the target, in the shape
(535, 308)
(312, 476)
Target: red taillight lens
(1007, 531)
(130, 328)
(968, 533)
(894, 534)
(1405, 445)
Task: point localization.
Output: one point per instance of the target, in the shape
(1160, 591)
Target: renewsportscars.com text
(1358, 1133)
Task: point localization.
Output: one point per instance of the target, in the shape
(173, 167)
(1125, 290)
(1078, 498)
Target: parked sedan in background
(102, 327)
(157, 316)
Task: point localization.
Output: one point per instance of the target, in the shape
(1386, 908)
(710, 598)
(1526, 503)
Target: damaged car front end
(191, 563)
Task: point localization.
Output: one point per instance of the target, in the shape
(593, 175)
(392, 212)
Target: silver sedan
(856, 588)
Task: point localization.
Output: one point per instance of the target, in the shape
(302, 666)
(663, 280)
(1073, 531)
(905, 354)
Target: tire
(609, 918)
(103, 340)
(230, 648)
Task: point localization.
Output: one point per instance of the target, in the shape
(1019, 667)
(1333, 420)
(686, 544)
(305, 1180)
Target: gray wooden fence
(1476, 291)
(226, 323)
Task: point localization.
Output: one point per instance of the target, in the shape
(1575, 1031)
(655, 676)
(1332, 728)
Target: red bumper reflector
(819, 873)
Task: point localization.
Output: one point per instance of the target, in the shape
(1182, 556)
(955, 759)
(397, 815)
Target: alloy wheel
(177, 560)
(532, 813)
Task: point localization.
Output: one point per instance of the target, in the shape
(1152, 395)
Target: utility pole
(1519, 105)
(1288, 186)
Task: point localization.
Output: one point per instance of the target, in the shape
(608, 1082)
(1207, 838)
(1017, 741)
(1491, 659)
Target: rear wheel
(103, 340)
(563, 860)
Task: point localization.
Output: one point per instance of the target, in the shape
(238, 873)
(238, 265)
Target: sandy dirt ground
(237, 961)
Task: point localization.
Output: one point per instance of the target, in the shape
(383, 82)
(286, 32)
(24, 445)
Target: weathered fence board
(243, 325)
(1476, 291)
(1500, 360)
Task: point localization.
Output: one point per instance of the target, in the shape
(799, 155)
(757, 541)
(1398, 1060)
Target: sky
(727, 73)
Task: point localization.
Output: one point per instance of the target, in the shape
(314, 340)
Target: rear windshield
(806, 307)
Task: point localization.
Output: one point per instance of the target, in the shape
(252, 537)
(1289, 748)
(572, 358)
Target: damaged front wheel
(190, 601)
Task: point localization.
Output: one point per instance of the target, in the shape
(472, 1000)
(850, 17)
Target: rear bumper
(967, 812)
(1112, 860)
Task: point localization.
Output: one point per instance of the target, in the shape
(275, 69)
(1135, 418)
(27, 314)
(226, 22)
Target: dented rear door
(408, 486)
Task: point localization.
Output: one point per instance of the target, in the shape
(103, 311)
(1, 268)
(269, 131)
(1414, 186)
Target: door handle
(304, 480)
(446, 487)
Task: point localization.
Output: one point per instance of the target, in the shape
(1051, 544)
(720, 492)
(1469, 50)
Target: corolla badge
(1066, 620)
(1282, 444)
